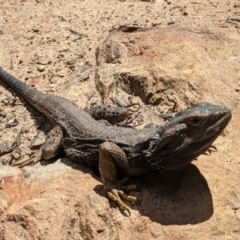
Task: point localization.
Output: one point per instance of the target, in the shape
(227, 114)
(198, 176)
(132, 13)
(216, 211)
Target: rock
(41, 68)
(164, 66)
(16, 155)
(34, 81)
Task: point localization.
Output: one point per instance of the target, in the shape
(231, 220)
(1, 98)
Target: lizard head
(187, 135)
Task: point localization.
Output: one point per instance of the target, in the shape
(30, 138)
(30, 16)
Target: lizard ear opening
(155, 146)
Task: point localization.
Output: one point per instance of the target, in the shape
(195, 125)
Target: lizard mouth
(212, 133)
(220, 124)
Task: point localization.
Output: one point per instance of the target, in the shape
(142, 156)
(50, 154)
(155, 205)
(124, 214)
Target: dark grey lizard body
(178, 142)
(77, 124)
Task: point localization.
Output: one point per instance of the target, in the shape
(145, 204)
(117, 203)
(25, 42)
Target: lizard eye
(195, 122)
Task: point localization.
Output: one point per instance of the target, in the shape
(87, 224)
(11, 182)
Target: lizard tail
(17, 85)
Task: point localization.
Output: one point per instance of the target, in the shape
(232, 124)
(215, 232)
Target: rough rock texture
(164, 66)
(161, 68)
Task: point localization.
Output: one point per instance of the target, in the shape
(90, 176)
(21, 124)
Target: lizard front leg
(111, 156)
(49, 149)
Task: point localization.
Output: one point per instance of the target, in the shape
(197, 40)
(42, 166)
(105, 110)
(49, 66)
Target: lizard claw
(116, 195)
(116, 192)
(211, 149)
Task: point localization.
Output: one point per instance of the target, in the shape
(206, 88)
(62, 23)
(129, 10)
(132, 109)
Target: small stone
(34, 81)
(52, 86)
(6, 159)
(156, 23)
(61, 73)
(24, 129)
(16, 155)
(12, 123)
(41, 68)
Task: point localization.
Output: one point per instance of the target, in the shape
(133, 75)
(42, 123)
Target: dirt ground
(52, 46)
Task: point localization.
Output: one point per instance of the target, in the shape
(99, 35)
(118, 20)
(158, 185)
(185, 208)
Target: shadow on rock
(173, 197)
(176, 197)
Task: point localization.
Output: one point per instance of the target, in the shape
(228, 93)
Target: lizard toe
(117, 195)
